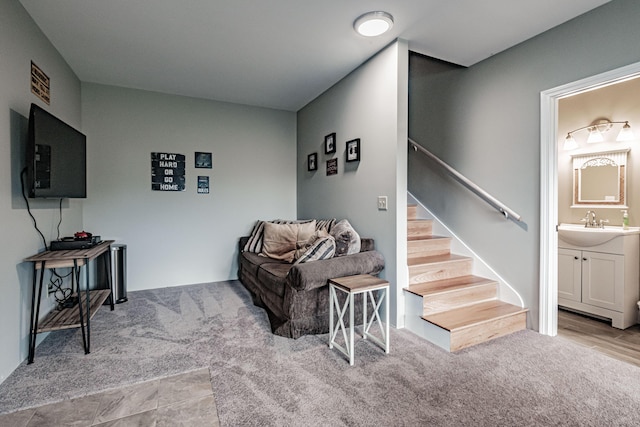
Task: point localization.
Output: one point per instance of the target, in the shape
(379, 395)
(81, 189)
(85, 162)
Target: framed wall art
(332, 167)
(312, 162)
(353, 150)
(330, 143)
(203, 160)
(203, 185)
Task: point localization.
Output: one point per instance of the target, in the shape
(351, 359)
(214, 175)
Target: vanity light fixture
(596, 129)
(626, 134)
(373, 24)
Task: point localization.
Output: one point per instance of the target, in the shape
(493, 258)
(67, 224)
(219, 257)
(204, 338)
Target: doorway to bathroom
(554, 197)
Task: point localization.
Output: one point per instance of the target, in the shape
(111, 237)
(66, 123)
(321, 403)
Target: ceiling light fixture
(596, 130)
(373, 24)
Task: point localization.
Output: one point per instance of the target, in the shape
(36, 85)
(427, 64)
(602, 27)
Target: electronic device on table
(80, 240)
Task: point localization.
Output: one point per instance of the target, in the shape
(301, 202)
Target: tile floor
(601, 336)
(185, 400)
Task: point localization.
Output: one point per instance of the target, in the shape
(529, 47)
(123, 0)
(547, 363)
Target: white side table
(352, 285)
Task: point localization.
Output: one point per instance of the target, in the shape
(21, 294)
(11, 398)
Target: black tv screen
(56, 157)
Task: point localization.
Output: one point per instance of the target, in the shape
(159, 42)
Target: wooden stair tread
(474, 314)
(425, 237)
(455, 283)
(435, 259)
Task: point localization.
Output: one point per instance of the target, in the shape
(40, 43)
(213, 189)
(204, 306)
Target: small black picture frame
(330, 143)
(332, 167)
(203, 185)
(203, 160)
(312, 162)
(353, 150)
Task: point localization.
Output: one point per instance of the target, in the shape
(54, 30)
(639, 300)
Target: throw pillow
(322, 248)
(254, 244)
(302, 248)
(280, 241)
(347, 240)
(325, 224)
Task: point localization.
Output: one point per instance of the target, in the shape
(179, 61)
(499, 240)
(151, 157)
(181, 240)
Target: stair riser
(419, 229)
(412, 212)
(438, 271)
(486, 331)
(447, 300)
(430, 247)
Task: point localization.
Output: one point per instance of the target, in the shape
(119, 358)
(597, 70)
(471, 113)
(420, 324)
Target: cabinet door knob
(584, 259)
(575, 257)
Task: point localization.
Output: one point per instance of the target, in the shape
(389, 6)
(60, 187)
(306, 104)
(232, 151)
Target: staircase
(458, 309)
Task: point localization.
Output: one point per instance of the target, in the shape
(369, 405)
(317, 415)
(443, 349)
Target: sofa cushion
(347, 239)
(323, 248)
(253, 261)
(272, 275)
(280, 241)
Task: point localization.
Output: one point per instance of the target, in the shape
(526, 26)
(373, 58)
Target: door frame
(548, 312)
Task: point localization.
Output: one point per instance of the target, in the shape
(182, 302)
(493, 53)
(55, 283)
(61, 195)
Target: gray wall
(177, 238)
(489, 129)
(20, 43)
(369, 104)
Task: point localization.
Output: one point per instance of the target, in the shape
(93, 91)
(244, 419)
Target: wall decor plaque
(167, 172)
(203, 185)
(40, 84)
(332, 167)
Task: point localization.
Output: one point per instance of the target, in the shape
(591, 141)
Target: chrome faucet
(590, 219)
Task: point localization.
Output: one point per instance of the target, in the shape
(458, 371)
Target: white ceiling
(273, 53)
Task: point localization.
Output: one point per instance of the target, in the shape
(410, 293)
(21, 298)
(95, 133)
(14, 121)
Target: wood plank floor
(601, 336)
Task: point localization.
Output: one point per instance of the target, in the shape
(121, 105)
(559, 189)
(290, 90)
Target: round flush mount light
(373, 24)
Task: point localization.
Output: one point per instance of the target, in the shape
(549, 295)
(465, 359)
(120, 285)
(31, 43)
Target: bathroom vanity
(599, 273)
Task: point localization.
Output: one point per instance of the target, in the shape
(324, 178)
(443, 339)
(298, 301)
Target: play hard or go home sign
(167, 172)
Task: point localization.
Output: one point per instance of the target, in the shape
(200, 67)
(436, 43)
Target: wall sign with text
(40, 84)
(203, 185)
(167, 172)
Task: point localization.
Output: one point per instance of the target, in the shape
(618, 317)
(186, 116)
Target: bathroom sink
(579, 235)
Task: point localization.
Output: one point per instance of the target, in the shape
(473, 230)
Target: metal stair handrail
(495, 203)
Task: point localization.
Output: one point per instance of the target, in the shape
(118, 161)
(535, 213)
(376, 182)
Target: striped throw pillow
(254, 244)
(323, 248)
(325, 224)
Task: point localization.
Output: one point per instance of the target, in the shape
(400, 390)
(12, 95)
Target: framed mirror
(599, 179)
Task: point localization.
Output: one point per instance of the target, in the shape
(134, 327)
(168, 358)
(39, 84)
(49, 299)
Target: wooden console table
(76, 316)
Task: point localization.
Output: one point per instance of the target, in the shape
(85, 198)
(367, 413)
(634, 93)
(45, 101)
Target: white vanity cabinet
(603, 280)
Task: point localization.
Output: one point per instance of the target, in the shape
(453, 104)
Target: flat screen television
(56, 157)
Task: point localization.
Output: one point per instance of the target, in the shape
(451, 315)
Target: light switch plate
(382, 203)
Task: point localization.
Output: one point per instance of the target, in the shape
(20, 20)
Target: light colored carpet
(262, 379)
